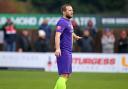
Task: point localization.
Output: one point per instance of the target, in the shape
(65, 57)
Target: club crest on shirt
(71, 27)
(58, 28)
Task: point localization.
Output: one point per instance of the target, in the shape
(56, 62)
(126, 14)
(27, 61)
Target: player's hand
(58, 52)
(78, 37)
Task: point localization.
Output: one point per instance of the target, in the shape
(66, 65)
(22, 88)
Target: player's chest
(69, 28)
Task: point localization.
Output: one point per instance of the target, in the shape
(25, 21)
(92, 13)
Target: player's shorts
(64, 63)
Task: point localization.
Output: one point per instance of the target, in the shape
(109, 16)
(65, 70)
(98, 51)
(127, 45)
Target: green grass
(46, 80)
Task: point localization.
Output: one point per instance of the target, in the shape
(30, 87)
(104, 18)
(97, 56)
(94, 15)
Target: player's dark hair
(63, 7)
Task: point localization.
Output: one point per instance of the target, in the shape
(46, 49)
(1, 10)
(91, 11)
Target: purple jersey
(64, 62)
(65, 27)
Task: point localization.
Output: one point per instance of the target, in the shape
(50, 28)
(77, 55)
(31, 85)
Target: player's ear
(64, 13)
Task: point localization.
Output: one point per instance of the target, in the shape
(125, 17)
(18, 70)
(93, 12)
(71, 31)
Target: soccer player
(63, 45)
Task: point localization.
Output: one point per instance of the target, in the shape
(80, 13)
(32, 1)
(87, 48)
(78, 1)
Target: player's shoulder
(61, 21)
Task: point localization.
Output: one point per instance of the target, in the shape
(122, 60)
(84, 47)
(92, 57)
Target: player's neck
(66, 17)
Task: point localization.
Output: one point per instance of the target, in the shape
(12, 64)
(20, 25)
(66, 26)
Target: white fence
(82, 62)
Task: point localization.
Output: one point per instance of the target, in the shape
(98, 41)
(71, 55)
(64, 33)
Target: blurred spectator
(107, 41)
(76, 28)
(41, 44)
(76, 46)
(123, 42)
(24, 43)
(9, 36)
(86, 43)
(44, 26)
(91, 28)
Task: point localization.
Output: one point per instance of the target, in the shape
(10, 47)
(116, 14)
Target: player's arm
(75, 36)
(57, 44)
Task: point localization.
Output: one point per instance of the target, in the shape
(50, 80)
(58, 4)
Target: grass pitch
(46, 80)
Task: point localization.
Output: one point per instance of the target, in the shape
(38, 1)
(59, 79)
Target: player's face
(69, 12)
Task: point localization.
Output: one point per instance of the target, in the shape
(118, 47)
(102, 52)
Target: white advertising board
(82, 62)
(25, 60)
(87, 62)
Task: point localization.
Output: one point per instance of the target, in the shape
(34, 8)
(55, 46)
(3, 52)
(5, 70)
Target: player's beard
(69, 16)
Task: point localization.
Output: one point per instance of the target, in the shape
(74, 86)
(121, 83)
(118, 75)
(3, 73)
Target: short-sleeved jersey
(65, 27)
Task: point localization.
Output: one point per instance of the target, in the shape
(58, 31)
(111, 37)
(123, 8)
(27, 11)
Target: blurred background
(27, 30)
(34, 15)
